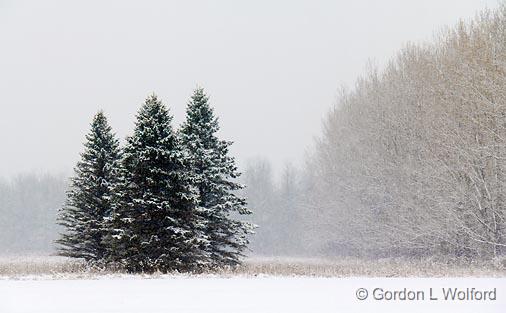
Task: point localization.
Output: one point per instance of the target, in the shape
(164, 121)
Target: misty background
(272, 70)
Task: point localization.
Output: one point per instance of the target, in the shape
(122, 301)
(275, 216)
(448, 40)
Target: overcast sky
(271, 68)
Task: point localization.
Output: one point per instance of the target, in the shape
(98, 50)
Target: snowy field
(236, 294)
(58, 285)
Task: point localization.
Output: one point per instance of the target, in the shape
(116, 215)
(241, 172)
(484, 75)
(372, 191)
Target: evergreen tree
(156, 223)
(216, 175)
(89, 197)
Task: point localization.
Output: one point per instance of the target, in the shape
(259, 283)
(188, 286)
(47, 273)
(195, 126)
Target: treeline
(278, 206)
(413, 160)
(168, 200)
(28, 209)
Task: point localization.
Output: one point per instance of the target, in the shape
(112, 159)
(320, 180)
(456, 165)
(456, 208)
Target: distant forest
(28, 206)
(30, 203)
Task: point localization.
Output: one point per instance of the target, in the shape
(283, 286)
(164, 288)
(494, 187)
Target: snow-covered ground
(260, 294)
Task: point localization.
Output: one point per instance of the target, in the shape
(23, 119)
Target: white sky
(272, 68)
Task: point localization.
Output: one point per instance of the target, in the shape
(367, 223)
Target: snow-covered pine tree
(89, 197)
(216, 174)
(156, 225)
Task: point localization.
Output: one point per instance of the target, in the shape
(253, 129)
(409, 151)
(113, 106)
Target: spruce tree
(89, 197)
(216, 175)
(156, 224)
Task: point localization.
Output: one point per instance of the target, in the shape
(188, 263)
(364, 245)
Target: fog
(272, 69)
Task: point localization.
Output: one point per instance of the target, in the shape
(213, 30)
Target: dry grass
(52, 267)
(11, 266)
(353, 267)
